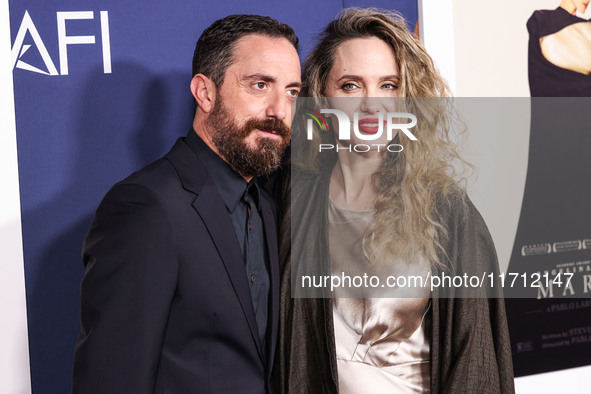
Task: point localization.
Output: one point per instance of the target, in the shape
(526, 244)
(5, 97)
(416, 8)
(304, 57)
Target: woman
(387, 212)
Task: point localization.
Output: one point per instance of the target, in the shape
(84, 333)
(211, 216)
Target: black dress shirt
(242, 200)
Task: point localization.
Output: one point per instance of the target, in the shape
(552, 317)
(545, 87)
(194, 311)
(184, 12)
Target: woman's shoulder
(289, 180)
(287, 175)
(465, 236)
(457, 211)
(453, 205)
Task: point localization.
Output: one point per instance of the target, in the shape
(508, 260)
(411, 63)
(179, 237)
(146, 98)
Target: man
(181, 289)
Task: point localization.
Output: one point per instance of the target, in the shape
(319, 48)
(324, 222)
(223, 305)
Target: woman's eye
(348, 86)
(390, 86)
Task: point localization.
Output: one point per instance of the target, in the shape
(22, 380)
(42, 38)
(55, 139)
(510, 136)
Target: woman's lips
(370, 125)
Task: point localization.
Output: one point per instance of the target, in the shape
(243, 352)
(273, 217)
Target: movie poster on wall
(551, 327)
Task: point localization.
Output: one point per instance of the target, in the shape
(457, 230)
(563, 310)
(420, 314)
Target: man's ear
(204, 91)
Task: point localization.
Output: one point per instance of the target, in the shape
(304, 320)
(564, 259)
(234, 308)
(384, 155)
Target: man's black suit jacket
(166, 306)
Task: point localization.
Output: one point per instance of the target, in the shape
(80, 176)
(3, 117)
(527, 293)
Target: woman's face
(364, 79)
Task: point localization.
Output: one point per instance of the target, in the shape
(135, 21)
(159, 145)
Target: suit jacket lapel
(210, 206)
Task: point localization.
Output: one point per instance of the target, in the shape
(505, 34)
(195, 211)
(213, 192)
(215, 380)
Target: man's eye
(260, 85)
(293, 92)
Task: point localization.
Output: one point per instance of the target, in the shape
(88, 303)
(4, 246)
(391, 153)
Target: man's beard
(229, 139)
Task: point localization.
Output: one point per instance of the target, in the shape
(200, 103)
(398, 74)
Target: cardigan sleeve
(470, 348)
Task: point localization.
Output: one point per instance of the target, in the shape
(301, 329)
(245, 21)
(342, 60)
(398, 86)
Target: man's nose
(277, 105)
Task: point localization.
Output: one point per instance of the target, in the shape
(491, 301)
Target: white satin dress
(382, 345)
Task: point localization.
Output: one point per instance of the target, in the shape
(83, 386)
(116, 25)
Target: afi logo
(345, 130)
(27, 25)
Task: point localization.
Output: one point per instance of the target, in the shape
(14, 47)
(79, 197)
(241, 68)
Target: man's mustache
(273, 125)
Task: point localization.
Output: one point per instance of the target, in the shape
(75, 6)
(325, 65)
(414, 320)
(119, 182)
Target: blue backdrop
(79, 131)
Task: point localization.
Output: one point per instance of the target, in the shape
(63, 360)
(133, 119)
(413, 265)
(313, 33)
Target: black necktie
(258, 278)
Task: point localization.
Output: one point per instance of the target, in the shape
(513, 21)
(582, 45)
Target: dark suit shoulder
(157, 182)
(155, 176)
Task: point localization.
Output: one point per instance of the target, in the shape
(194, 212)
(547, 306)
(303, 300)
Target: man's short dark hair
(215, 48)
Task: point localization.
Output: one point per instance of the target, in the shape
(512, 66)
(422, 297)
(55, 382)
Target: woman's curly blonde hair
(418, 185)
